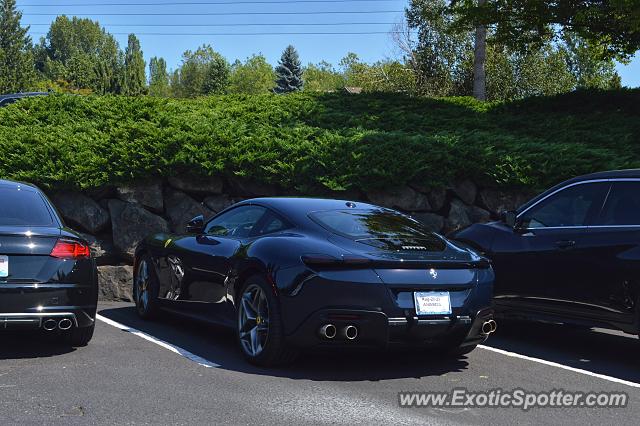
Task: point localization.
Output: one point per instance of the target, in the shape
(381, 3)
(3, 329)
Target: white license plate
(432, 302)
(4, 266)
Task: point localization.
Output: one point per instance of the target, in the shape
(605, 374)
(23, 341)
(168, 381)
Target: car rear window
(371, 224)
(21, 207)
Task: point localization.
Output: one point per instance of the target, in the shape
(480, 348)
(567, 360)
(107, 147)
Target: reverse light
(69, 249)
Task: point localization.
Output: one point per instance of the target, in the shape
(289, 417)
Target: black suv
(571, 254)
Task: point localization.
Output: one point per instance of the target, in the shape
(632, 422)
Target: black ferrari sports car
(48, 279)
(292, 273)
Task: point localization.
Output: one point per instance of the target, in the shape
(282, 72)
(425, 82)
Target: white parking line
(564, 367)
(173, 348)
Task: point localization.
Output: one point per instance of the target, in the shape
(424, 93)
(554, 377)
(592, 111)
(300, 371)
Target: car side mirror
(196, 225)
(509, 218)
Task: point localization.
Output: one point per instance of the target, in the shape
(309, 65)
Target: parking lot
(178, 372)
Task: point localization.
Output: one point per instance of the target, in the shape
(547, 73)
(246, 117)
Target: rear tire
(80, 336)
(461, 350)
(145, 288)
(260, 329)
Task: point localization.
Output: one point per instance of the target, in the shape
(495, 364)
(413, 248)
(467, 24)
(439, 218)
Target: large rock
(217, 203)
(149, 194)
(131, 223)
(458, 216)
(102, 249)
(478, 215)
(180, 208)
(197, 185)
(404, 198)
(115, 283)
(432, 222)
(466, 191)
(497, 201)
(245, 187)
(437, 198)
(81, 211)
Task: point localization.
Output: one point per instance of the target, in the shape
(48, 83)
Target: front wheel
(259, 327)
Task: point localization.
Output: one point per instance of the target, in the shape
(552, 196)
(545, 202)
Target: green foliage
(80, 52)
(381, 76)
(203, 72)
(254, 76)
(312, 142)
(158, 77)
(289, 72)
(17, 71)
(135, 79)
(322, 77)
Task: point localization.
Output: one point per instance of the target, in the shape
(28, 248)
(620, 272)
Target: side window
(569, 207)
(622, 206)
(272, 223)
(237, 223)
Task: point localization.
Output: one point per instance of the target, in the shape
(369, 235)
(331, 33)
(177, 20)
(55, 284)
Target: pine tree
(289, 72)
(134, 68)
(17, 67)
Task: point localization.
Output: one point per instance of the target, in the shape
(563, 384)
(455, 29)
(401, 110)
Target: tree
(82, 54)
(585, 62)
(134, 68)
(17, 71)
(381, 76)
(614, 25)
(322, 77)
(254, 76)
(479, 59)
(289, 72)
(158, 77)
(203, 72)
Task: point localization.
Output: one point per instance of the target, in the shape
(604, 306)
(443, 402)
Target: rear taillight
(68, 249)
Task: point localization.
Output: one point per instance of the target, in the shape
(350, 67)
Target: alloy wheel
(142, 289)
(253, 320)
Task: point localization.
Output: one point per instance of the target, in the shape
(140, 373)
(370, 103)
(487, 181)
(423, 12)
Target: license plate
(432, 302)
(4, 266)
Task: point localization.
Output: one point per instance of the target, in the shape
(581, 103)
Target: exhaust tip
(65, 324)
(351, 332)
(489, 327)
(328, 331)
(50, 324)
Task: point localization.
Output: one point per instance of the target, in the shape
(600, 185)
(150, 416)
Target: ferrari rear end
(48, 280)
(390, 283)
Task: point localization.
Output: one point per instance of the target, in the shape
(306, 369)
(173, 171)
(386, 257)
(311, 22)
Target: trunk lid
(24, 252)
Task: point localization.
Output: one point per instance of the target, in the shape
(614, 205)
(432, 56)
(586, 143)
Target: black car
(290, 273)
(48, 279)
(571, 254)
(13, 97)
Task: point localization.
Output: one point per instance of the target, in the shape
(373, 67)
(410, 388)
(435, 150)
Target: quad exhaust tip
(328, 331)
(65, 324)
(350, 332)
(50, 324)
(489, 327)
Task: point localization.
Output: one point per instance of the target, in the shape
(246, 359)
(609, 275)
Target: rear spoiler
(323, 261)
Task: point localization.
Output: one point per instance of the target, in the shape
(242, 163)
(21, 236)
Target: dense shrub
(306, 141)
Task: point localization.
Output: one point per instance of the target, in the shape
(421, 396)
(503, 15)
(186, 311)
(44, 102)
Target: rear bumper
(376, 329)
(30, 305)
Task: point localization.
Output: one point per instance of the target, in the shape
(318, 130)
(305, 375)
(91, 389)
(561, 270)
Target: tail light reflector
(68, 249)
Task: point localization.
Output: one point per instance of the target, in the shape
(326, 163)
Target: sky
(225, 23)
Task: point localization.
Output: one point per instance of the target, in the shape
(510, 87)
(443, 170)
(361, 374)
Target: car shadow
(218, 345)
(607, 352)
(31, 344)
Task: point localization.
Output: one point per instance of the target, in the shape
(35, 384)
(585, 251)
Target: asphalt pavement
(174, 371)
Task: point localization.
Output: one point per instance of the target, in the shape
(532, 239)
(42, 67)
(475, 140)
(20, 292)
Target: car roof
(298, 208)
(4, 183)
(22, 95)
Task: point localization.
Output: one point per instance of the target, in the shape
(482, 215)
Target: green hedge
(306, 141)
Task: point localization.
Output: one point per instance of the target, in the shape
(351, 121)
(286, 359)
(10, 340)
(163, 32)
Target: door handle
(565, 244)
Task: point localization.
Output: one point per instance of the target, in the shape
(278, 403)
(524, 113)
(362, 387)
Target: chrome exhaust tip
(65, 324)
(50, 324)
(328, 331)
(350, 332)
(489, 327)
